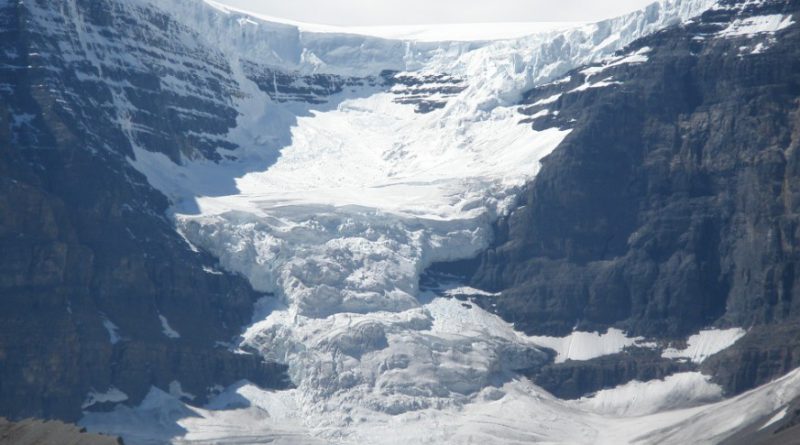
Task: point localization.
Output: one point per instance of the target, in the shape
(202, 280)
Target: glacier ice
(337, 207)
(515, 413)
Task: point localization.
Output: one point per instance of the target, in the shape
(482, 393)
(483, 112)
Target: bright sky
(416, 12)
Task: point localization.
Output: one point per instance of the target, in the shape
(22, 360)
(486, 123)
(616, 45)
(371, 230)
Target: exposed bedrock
(673, 204)
(98, 293)
(575, 379)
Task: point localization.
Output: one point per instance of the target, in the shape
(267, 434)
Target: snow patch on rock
(776, 418)
(112, 329)
(176, 389)
(112, 395)
(769, 24)
(706, 343)
(166, 329)
(588, 345)
(640, 56)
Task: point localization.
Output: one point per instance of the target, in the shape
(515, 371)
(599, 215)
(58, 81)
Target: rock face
(427, 92)
(767, 351)
(673, 205)
(573, 379)
(97, 290)
(36, 432)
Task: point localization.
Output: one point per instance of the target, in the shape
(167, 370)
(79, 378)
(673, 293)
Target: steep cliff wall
(673, 204)
(98, 293)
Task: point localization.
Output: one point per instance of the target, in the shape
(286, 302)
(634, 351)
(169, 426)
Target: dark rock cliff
(674, 204)
(97, 290)
(575, 378)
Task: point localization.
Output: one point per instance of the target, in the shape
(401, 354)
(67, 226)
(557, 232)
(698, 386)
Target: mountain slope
(670, 207)
(175, 168)
(92, 272)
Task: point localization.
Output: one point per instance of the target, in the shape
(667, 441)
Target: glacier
(336, 206)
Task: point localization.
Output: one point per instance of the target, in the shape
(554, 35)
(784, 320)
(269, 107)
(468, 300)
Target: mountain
(220, 228)
(669, 208)
(101, 296)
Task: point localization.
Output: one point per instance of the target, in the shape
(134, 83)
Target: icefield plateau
(337, 209)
